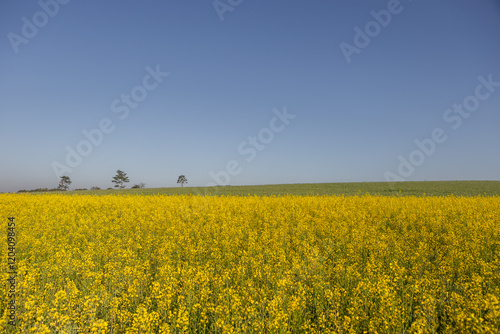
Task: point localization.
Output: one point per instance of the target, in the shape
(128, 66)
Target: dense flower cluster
(291, 264)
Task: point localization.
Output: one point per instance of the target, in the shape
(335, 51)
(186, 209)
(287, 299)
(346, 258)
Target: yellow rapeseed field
(291, 264)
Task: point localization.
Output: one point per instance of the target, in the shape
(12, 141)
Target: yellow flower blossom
(229, 264)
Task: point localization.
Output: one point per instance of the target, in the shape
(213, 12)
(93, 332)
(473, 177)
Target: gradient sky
(353, 121)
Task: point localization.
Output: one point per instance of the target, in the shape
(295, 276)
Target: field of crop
(418, 188)
(228, 264)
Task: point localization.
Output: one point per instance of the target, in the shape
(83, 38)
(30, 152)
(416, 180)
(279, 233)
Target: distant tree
(119, 179)
(182, 179)
(137, 186)
(64, 182)
(95, 188)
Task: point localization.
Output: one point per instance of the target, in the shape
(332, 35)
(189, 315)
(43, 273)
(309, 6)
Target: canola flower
(291, 264)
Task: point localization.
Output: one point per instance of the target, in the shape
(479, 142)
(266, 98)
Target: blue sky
(67, 66)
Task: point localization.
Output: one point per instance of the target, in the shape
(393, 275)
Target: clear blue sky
(354, 121)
